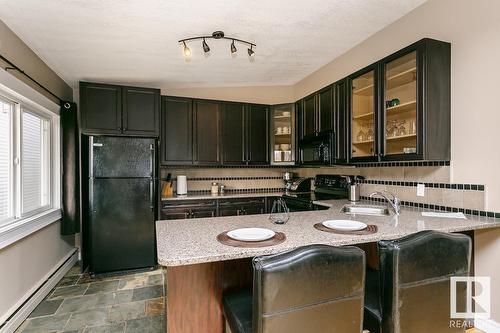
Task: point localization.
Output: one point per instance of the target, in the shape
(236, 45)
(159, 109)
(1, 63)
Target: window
(26, 160)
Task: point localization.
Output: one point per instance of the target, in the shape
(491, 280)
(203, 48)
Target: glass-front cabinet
(283, 134)
(363, 103)
(400, 105)
(396, 113)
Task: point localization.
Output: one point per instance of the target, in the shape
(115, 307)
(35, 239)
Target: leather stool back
(316, 288)
(415, 276)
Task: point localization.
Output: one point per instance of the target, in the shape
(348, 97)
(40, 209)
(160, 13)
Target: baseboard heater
(45, 286)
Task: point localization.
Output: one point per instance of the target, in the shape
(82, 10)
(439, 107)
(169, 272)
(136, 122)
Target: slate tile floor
(121, 304)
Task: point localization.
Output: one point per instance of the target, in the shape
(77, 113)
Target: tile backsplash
(398, 178)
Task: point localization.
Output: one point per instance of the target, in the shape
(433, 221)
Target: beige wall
(14, 49)
(27, 261)
(264, 95)
(24, 263)
(473, 29)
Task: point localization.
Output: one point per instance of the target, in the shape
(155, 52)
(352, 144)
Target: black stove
(327, 187)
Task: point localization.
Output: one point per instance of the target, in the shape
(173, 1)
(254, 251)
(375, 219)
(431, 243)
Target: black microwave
(317, 149)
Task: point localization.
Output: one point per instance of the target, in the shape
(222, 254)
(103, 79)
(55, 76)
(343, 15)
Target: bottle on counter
(215, 188)
(222, 189)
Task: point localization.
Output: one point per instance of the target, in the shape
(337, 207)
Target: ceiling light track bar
(207, 37)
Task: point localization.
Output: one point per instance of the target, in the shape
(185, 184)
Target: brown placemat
(370, 229)
(278, 238)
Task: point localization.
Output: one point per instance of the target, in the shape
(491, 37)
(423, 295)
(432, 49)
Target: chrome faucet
(391, 199)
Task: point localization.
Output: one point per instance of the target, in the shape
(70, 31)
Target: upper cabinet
(177, 131)
(206, 132)
(283, 134)
(317, 112)
(119, 110)
(341, 120)
(363, 107)
(233, 133)
(399, 107)
(257, 134)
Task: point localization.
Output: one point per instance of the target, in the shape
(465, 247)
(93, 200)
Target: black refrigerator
(119, 218)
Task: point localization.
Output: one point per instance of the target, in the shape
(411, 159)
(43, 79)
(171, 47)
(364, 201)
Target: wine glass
(370, 134)
(361, 135)
(401, 131)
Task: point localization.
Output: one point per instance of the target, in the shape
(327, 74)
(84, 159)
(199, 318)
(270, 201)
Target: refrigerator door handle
(151, 194)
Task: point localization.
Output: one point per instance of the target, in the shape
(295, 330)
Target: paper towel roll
(181, 185)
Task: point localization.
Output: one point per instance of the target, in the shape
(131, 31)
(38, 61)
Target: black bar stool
(316, 288)
(411, 291)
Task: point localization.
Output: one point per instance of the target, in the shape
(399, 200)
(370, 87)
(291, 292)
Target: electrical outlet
(420, 190)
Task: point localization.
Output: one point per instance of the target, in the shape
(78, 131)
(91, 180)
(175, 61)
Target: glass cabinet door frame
(418, 48)
(294, 133)
(376, 109)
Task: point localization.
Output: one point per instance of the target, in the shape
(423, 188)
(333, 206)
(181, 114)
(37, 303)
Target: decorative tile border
(242, 190)
(467, 187)
(357, 165)
(403, 164)
(441, 208)
(231, 178)
(193, 166)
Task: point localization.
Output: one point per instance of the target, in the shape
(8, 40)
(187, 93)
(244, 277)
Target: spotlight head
(206, 48)
(251, 52)
(187, 51)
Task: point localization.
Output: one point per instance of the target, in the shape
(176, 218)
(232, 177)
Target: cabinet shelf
(363, 116)
(284, 134)
(364, 91)
(282, 117)
(408, 106)
(401, 137)
(402, 78)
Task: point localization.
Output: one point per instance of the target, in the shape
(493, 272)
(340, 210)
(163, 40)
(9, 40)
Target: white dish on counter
(345, 225)
(251, 234)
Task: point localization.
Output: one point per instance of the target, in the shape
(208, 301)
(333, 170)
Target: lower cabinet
(235, 207)
(188, 209)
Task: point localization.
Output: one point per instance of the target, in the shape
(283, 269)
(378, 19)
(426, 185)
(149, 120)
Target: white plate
(345, 225)
(251, 234)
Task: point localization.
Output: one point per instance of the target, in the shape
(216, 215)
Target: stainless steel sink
(365, 210)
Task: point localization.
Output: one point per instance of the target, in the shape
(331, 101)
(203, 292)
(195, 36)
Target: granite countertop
(185, 242)
(227, 195)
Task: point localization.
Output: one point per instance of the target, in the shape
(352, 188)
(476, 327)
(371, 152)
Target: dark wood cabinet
(177, 131)
(318, 112)
(206, 132)
(140, 111)
(119, 110)
(257, 134)
(325, 113)
(341, 122)
(233, 133)
(100, 108)
(309, 120)
(399, 107)
(187, 209)
(246, 206)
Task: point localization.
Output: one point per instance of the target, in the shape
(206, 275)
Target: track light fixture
(216, 35)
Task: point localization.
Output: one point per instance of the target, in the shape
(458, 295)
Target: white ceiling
(135, 41)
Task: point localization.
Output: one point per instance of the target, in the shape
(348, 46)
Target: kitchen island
(198, 269)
